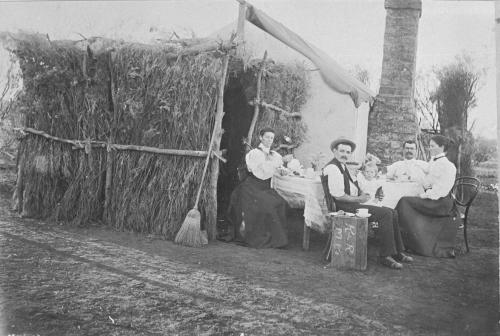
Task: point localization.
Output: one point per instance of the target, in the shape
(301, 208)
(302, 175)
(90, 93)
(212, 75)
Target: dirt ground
(61, 280)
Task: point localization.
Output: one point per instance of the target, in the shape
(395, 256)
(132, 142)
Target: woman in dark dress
(256, 211)
(429, 223)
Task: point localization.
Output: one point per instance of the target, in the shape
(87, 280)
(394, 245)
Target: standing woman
(256, 211)
(428, 222)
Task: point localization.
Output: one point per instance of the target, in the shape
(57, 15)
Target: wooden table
(295, 189)
(307, 194)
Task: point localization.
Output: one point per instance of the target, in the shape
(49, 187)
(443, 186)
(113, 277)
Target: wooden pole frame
(77, 144)
(257, 98)
(242, 12)
(110, 155)
(211, 226)
(277, 109)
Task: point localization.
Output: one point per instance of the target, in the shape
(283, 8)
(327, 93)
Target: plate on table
(349, 214)
(363, 215)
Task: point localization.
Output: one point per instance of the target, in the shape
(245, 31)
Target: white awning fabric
(334, 76)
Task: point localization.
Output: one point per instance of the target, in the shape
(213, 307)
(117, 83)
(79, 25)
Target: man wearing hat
(348, 197)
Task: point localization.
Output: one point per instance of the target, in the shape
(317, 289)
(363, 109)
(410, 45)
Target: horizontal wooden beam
(278, 109)
(154, 150)
(209, 45)
(81, 144)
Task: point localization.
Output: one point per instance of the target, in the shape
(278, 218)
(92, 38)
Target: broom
(190, 233)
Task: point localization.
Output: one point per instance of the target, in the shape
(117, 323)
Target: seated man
(410, 169)
(348, 197)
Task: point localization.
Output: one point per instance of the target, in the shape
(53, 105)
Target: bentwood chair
(464, 192)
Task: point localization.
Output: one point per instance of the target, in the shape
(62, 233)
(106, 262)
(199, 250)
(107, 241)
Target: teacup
(362, 212)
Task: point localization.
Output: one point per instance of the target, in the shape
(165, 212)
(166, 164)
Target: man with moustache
(409, 169)
(348, 197)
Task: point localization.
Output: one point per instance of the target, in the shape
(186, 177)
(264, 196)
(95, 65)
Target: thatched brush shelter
(117, 132)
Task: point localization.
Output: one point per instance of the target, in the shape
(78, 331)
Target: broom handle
(218, 120)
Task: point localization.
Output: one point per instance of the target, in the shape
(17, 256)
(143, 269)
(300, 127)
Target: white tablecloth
(308, 194)
(294, 189)
(393, 191)
(304, 193)
(315, 209)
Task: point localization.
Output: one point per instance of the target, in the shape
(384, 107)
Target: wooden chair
(330, 204)
(464, 192)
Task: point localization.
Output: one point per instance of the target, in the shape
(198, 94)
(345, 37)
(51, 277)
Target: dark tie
(346, 173)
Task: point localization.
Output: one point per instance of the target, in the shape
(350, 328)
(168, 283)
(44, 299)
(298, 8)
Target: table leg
(327, 251)
(305, 237)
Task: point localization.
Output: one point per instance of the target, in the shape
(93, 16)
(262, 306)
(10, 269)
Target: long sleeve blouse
(263, 162)
(441, 177)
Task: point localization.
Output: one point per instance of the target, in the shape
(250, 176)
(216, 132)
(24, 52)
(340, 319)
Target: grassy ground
(60, 280)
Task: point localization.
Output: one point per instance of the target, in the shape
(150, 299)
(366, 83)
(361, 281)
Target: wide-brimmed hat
(344, 141)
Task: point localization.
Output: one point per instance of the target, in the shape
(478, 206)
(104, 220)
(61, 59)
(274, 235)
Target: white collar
(264, 148)
(433, 158)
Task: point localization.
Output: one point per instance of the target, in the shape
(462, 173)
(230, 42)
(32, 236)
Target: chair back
(330, 201)
(465, 190)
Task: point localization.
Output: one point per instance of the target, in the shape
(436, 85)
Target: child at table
(368, 182)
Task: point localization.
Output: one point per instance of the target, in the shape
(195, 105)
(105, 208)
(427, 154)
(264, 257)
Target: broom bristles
(190, 234)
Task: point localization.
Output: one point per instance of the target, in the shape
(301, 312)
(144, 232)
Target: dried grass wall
(284, 86)
(129, 94)
(135, 95)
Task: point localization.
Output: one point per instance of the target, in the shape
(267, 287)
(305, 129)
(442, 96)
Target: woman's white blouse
(441, 177)
(262, 162)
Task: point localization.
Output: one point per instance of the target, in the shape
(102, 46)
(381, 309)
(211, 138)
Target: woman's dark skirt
(428, 227)
(258, 214)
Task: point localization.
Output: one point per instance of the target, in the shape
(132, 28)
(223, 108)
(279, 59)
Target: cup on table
(362, 212)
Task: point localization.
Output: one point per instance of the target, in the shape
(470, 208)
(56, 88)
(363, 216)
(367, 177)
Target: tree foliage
(456, 93)
(424, 104)
(10, 83)
(444, 99)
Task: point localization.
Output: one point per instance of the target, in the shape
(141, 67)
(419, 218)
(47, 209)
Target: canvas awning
(333, 75)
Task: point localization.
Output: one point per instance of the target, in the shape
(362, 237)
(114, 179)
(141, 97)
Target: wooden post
(306, 237)
(211, 226)
(257, 102)
(109, 152)
(459, 159)
(242, 12)
(17, 198)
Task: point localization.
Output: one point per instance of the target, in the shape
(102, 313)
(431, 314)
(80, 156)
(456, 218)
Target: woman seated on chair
(256, 211)
(429, 223)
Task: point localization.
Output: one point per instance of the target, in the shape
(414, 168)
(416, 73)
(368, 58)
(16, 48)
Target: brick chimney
(393, 119)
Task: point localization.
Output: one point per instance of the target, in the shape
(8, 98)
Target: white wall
(327, 114)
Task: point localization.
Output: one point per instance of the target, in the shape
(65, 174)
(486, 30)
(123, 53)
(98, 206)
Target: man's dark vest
(347, 177)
